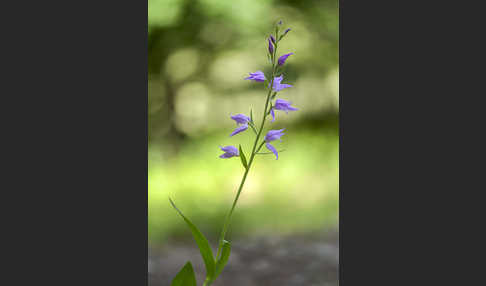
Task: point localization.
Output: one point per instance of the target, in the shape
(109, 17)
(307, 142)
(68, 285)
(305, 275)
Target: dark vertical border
(406, 190)
(74, 189)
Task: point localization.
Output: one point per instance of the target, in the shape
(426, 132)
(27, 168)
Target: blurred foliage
(199, 53)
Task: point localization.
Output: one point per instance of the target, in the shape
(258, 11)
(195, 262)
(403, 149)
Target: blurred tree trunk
(161, 43)
(173, 133)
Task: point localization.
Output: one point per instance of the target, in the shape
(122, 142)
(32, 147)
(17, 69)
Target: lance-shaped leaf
(225, 253)
(185, 277)
(243, 158)
(202, 243)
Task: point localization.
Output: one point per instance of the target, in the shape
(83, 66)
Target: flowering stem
(252, 156)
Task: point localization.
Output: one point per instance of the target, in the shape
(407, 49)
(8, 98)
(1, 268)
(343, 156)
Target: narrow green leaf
(251, 116)
(185, 277)
(243, 158)
(202, 243)
(225, 253)
(253, 128)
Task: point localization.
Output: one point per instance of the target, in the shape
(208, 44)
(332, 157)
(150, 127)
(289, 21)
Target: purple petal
(276, 82)
(277, 86)
(271, 148)
(283, 58)
(272, 38)
(282, 102)
(256, 76)
(281, 86)
(229, 149)
(239, 129)
(273, 114)
(284, 105)
(278, 79)
(270, 46)
(240, 118)
(274, 135)
(225, 156)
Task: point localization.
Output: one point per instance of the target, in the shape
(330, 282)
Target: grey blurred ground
(266, 261)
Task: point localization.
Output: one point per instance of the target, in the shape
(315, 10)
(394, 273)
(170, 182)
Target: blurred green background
(199, 54)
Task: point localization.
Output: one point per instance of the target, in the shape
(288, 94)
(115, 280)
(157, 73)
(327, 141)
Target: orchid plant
(215, 265)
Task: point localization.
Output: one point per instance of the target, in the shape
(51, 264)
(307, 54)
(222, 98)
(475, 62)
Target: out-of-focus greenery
(199, 53)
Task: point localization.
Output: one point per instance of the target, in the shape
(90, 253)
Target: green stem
(259, 147)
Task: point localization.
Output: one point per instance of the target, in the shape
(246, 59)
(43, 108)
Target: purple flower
(277, 86)
(280, 22)
(286, 31)
(271, 148)
(270, 46)
(274, 135)
(239, 129)
(283, 58)
(257, 76)
(272, 38)
(229, 151)
(240, 118)
(271, 136)
(284, 105)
